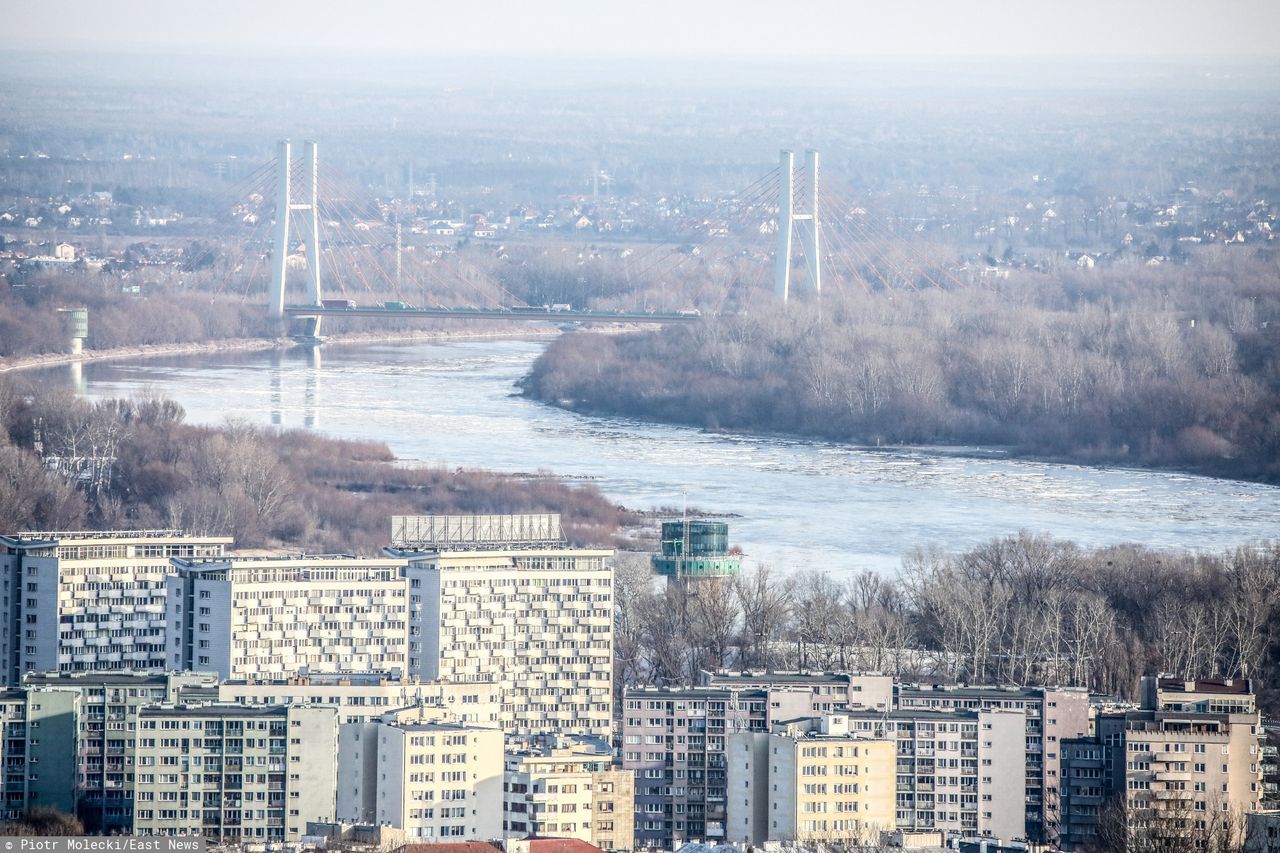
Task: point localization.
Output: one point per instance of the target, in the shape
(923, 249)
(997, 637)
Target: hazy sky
(944, 29)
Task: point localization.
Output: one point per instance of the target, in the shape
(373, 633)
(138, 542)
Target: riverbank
(13, 365)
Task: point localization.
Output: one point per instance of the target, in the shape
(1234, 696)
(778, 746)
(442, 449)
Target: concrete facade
(37, 750)
(90, 600)
(676, 740)
(833, 691)
(961, 772)
(234, 774)
(365, 697)
(810, 781)
(275, 617)
(568, 788)
(1053, 715)
(439, 782)
(1178, 769)
(106, 731)
(1262, 832)
(538, 623)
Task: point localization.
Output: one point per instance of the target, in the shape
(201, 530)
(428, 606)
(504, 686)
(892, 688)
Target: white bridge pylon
(805, 221)
(286, 205)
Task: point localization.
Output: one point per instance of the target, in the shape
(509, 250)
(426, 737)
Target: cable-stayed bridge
(320, 245)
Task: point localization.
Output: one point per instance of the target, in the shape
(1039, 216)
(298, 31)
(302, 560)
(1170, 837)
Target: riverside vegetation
(1173, 366)
(135, 464)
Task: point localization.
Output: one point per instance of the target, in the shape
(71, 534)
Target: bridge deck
(541, 315)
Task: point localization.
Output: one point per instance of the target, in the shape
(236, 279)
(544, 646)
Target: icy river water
(800, 504)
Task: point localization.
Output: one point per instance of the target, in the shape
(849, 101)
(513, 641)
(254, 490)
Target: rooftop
(976, 690)
(1237, 686)
(711, 678)
(455, 847)
(222, 709)
(120, 677)
(46, 538)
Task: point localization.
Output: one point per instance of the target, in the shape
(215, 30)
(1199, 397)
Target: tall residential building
(534, 617)
(811, 780)
(274, 617)
(107, 725)
(832, 691)
(89, 601)
(37, 750)
(1053, 715)
(437, 781)
(1177, 767)
(568, 787)
(234, 773)
(675, 740)
(961, 772)
(361, 697)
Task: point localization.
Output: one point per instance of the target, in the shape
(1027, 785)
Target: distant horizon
(977, 30)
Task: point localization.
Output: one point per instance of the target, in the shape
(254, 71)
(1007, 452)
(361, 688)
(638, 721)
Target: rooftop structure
(475, 532)
(695, 549)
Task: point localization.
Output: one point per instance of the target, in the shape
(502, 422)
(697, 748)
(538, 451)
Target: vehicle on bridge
(397, 306)
(338, 303)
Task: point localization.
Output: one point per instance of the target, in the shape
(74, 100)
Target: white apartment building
(362, 697)
(537, 621)
(810, 780)
(1054, 715)
(265, 617)
(962, 772)
(80, 601)
(436, 781)
(568, 787)
(234, 774)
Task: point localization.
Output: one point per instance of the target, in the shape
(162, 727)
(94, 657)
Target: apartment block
(833, 691)
(1178, 766)
(812, 780)
(80, 601)
(234, 774)
(436, 781)
(1053, 715)
(365, 697)
(568, 787)
(961, 772)
(536, 620)
(274, 617)
(675, 739)
(106, 728)
(37, 750)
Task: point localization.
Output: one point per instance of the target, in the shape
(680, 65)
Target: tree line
(68, 464)
(1148, 366)
(1025, 609)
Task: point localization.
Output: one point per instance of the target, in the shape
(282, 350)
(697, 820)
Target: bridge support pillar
(280, 243)
(805, 221)
(286, 206)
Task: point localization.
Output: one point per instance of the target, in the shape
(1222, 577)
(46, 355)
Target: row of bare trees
(1025, 609)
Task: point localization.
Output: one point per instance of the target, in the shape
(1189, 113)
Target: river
(802, 504)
